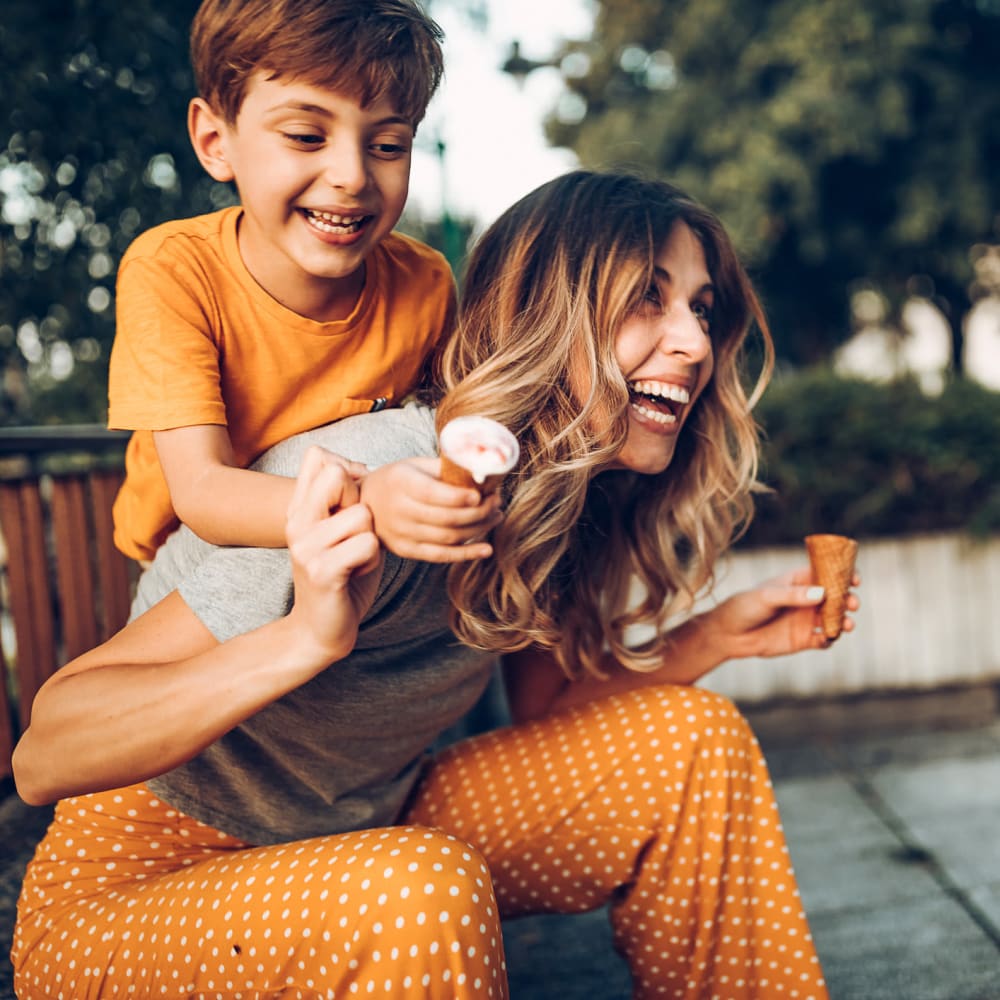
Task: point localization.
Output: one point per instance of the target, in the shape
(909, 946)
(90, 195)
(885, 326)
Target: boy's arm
(213, 496)
(417, 516)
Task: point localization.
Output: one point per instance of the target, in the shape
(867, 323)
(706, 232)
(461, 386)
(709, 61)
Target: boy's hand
(419, 517)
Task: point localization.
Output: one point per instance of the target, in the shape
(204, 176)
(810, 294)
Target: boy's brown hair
(365, 49)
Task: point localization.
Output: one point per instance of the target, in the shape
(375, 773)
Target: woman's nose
(684, 333)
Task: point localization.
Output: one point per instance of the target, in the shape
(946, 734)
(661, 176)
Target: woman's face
(665, 353)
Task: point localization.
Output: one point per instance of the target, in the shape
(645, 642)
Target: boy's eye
(389, 150)
(304, 138)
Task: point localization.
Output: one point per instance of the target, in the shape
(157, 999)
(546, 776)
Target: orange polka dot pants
(658, 802)
(126, 897)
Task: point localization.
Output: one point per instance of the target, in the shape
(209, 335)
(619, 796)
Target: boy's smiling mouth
(334, 223)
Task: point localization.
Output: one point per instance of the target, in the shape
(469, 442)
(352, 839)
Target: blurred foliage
(839, 141)
(864, 459)
(93, 150)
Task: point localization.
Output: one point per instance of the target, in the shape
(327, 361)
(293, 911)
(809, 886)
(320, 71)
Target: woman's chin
(644, 461)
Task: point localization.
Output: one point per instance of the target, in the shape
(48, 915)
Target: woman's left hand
(334, 554)
(775, 618)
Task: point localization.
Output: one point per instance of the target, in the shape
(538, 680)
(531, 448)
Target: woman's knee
(419, 902)
(411, 880)
(673, 723)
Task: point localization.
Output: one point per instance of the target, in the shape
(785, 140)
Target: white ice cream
(480, 445)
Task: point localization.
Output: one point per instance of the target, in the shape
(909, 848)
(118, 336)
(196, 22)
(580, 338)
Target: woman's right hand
(163, 688)
(334, 554)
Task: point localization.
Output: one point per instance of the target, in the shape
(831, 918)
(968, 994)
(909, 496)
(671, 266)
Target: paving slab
(987, 899)
(923, 949)
(856, 865)
(952, 809)
(907, 748)
(569, 957)
(821, 806)
(939, 789)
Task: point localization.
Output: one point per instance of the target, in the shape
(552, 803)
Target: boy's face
(321, 180)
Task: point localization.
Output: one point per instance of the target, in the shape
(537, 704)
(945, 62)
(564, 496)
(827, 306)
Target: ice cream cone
(476, 452)
(832, 559)
(458, 475)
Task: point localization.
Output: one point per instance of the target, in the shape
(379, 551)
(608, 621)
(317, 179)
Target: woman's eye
(704, 313)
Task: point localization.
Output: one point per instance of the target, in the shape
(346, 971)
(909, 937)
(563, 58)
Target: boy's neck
(324, 300)
(320, 298)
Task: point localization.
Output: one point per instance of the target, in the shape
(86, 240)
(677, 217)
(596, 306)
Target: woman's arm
(162, 689)
(773, 619)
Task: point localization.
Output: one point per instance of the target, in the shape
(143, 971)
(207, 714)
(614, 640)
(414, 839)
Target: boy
(239, 328)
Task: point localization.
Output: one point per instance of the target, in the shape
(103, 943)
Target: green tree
(842, 141)
(93, 149)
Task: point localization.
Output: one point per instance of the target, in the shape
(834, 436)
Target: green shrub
(870, 460)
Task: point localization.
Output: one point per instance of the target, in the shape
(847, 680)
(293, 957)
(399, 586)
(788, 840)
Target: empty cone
(832, 559)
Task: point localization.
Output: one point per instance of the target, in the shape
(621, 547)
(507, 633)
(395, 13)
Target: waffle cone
(459, 475)
(832, 559)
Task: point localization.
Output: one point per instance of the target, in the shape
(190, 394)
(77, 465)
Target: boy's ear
(208, 137)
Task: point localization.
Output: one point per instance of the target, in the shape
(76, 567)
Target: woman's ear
(208, 132)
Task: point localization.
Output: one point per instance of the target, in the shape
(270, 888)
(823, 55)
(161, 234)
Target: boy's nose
(346, 168)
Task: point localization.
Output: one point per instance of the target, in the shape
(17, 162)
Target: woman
(248, 803)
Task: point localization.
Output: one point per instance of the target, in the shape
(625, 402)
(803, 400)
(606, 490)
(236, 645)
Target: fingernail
(815, 593)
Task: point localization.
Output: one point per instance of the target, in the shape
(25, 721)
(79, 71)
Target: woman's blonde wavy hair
(546, 290)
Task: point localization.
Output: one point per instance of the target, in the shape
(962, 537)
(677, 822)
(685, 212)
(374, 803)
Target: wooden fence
(64, 586)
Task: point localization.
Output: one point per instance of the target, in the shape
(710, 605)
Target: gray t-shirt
(343, 751)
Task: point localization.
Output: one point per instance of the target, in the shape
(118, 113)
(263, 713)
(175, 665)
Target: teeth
(330, 222)
(339, 220)
(665, 390)
(655, 415)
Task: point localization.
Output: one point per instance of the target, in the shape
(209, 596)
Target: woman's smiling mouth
(658, 401)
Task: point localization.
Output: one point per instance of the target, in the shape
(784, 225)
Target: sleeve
(235, 590)
(164, 368)
(442, 280)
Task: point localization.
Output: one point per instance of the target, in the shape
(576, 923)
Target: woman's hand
(334, 552)
(775, 618)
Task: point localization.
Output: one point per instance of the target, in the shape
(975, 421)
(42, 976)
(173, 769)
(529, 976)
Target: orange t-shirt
(198, 341)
